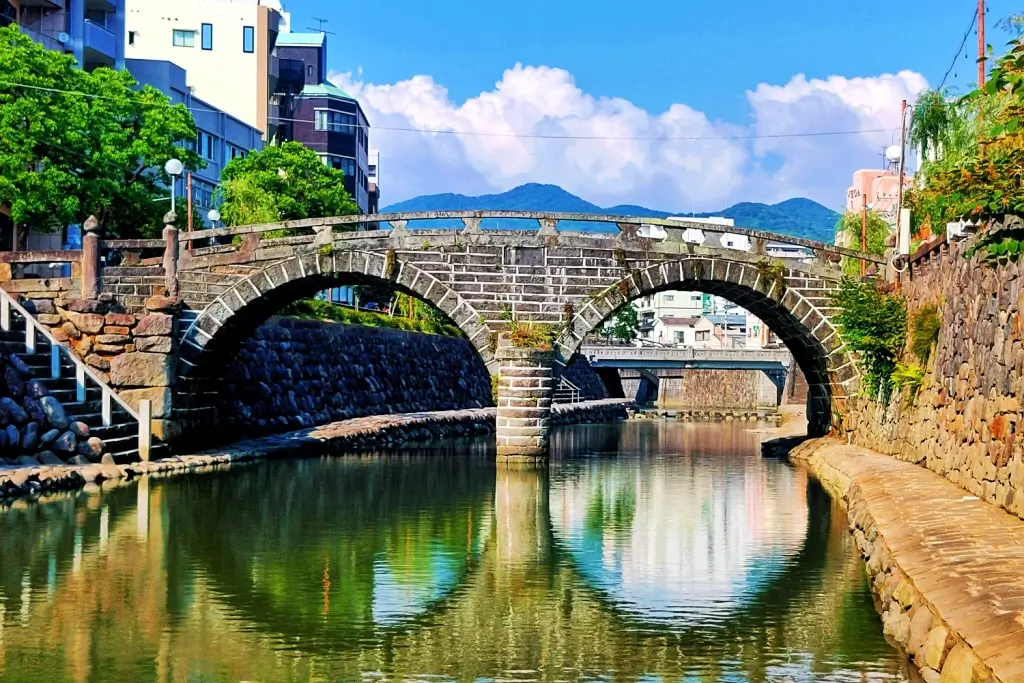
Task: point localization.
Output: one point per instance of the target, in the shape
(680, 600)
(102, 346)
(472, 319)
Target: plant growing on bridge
(773, 272)
(282, 183)
(872, 323)
(79, 143)
(390, 264)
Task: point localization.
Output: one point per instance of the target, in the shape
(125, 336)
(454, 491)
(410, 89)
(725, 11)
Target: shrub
(873, 323)
(907, 375)
(925, 332)
(532, 335)
(313, 309)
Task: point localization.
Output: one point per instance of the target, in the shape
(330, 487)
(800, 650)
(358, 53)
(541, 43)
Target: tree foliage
(282, 183)
(625, 324)
(873, 323)
(849, 227)
(79, 143)
(978, 144)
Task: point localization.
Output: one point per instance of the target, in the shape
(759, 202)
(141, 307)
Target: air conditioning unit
(955, 231)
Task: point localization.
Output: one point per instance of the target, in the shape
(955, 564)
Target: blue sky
(709, 57)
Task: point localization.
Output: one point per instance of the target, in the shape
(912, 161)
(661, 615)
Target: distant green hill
(794, 217)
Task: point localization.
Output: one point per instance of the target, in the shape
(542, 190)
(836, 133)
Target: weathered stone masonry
(965, 423)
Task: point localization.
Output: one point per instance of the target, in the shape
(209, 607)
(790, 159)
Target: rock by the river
(48, 458)
(30, 436)
(65, 443)
(10, 411)
(55, 414)
(95, 446)
(80, 429)
(48, 437)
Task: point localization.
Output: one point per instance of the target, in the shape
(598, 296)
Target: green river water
(645, 551)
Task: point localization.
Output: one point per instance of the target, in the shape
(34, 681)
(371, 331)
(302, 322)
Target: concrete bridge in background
(622, 356)
(176, 309)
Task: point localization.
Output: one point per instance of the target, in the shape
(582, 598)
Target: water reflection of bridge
(236, 576)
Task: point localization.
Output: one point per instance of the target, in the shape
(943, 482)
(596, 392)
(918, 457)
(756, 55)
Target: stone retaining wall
(912, 617)
(380, 431)
(296, 373)
(964, 423)
(717, 389)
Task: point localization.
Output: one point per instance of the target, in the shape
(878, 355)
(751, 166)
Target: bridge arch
(793, 300)
(259, 292)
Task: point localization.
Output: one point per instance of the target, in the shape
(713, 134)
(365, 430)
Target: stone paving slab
(963, 555)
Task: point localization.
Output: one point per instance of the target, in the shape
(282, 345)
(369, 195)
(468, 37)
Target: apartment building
(221, 136)
(308, 108)
(91, 30)
(226, 48)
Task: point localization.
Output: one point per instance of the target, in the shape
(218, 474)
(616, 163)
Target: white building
(225, 46)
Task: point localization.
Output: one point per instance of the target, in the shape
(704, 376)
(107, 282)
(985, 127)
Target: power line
(535, 136)
(974, 20)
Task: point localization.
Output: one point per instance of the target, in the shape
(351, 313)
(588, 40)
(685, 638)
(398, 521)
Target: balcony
(45, 4)
(100, 45)
(47, 40)
(100, 5)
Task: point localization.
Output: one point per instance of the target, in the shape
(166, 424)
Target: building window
(203, 193)
(335, 121)
(681, 337)
(248, 39)
(309, 70)
(702, 335)
(344, 164)
(206, 146)
(232, 152)
(670, 297)
(207, 37)
(184, 38)
(131, 37)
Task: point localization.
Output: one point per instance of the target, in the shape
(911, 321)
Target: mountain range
(796, 217)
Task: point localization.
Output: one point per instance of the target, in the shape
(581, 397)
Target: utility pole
(981, 43)
(864, 234)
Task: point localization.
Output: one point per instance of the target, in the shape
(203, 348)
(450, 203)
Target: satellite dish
(63, 38)
(893, 154)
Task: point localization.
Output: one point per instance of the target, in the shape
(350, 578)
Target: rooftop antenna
(320, 28)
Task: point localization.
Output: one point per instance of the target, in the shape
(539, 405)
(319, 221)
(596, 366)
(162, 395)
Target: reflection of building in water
(694, 534)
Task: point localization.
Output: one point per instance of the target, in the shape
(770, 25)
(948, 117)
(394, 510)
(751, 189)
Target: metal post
(80, 383)
(54, 361)
(106, 408)
(145, 429)
(30, 336)
(864, 236)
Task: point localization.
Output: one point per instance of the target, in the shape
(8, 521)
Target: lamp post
(213, 215)
(173, 168)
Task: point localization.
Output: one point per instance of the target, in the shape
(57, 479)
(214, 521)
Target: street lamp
(173, 167)
(214, 216)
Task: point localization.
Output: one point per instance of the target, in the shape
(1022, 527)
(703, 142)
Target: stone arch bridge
(221, 284)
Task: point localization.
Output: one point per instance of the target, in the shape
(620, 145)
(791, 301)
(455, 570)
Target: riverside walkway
(948, 567)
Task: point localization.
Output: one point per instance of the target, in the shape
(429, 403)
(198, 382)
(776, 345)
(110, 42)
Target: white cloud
(674, 175)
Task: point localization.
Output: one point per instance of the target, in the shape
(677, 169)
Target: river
(650, 551)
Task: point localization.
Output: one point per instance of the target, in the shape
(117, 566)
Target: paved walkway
(965, 556)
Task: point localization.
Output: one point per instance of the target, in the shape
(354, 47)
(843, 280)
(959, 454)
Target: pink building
(879, 190)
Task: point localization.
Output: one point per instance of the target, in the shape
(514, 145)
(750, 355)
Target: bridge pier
(525, 390)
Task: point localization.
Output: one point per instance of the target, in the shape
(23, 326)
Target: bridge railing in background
(325, 230)
(927, 256)
(683, 354)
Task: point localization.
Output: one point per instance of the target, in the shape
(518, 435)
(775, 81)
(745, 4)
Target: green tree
(849, 227)
(625, 324)
(79, 143)
(282, 183)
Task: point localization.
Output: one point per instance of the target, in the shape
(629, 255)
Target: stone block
(98, 362)
(153, 344)
(962, 666)
(115, 329)
(159, 303)
(159, 398)
(119, 319)
(119, 339)
(108, 349)
(166, 430)
(935, 647)
(154, 325)
(51, 319)
(89, 323)
(141, 370)
(70, 331)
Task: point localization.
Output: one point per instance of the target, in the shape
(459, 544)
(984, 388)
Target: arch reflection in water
(686, 537)
(437, 565)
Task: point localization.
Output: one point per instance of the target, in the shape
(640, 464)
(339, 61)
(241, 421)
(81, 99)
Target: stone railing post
(170, 254)
(525, 388)
(91, 284)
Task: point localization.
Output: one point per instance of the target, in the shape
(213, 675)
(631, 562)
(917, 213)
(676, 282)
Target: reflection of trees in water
(230, 585)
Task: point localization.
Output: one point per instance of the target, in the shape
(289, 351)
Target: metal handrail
(34, 327)
(675, 225)
(565, 385)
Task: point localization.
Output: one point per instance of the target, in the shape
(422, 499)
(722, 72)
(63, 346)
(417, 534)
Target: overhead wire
(952, 65)
(540, 136)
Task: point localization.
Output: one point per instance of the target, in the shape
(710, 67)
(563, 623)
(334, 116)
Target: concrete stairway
(85, 398)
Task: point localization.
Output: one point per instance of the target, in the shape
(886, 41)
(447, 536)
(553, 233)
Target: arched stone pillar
(525, 389)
